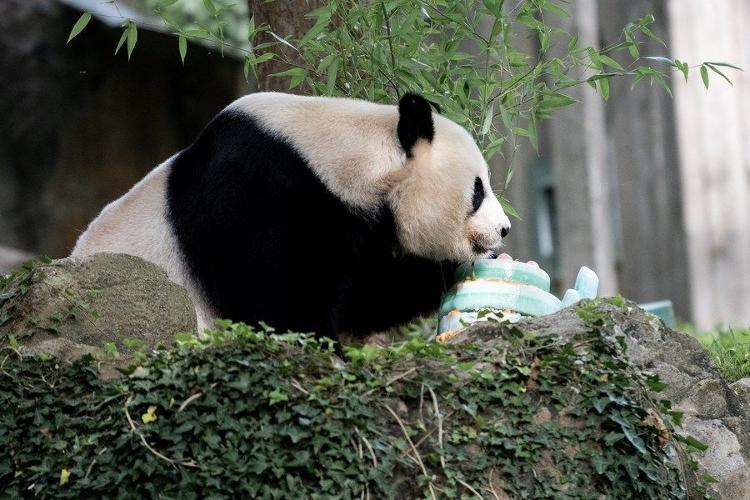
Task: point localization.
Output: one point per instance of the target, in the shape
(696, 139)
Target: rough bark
(287, 20)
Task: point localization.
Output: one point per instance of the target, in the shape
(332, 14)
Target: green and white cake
(505, 288)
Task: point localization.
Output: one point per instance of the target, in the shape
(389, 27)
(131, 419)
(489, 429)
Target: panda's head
(443, 206)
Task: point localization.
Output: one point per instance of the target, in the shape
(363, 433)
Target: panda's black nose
(504, 231)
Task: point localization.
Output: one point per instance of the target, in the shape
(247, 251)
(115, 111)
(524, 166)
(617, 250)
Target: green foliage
(472, 58)
(496, 67)
(246, 412)
(210, 22)
(129, 35)
(219, 23)
(730, 351)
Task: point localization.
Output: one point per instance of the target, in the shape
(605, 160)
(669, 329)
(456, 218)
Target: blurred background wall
(650, 191)
(79, 125)
(714, 138)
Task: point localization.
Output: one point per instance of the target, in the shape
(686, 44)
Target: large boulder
(714, 413)
(71, 307)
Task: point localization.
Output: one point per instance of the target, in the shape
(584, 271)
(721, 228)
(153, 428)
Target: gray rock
(742, 389)
(705, 399)
(736, 485)
(724, 453)
(75, 306)
(715, 414)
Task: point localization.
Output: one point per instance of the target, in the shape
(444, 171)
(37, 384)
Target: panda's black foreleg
(394, 294)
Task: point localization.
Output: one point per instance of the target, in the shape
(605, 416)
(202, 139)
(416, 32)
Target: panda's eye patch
(476, 200)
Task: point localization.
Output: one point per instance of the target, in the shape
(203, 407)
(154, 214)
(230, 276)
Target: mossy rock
(71, 307)
(507, 413)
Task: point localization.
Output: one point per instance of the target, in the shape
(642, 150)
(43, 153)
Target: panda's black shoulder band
(415, 121)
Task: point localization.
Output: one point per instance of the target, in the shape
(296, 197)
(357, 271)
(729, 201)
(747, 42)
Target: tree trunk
(286, 19)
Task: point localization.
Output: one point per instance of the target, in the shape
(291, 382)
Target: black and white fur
(313, 214)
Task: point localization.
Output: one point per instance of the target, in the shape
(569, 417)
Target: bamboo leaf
(661, 59)
(704, 75)
(663, 83)
(716, 70)
(322, 16)
(247, 66)
(508, 208)
(652, 35)
(604, 88)
(558, 11)
(123, 37)
(487, 123)
(611, 62)
(132, 37)
(332, 72)
(509, 177)
(683, 66)
(182, 45)
(727, 65)
(267, 56)
(632, 46)
(82, 22)
(210, 7)
(281, 40)
(533, 139)
(505, 117)
(296, 75)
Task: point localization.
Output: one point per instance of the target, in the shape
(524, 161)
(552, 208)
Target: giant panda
(312, 214)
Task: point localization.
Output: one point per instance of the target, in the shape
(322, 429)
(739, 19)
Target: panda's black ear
(414, 121)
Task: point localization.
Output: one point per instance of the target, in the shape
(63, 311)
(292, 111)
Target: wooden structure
(714, 138)
(651, 192)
